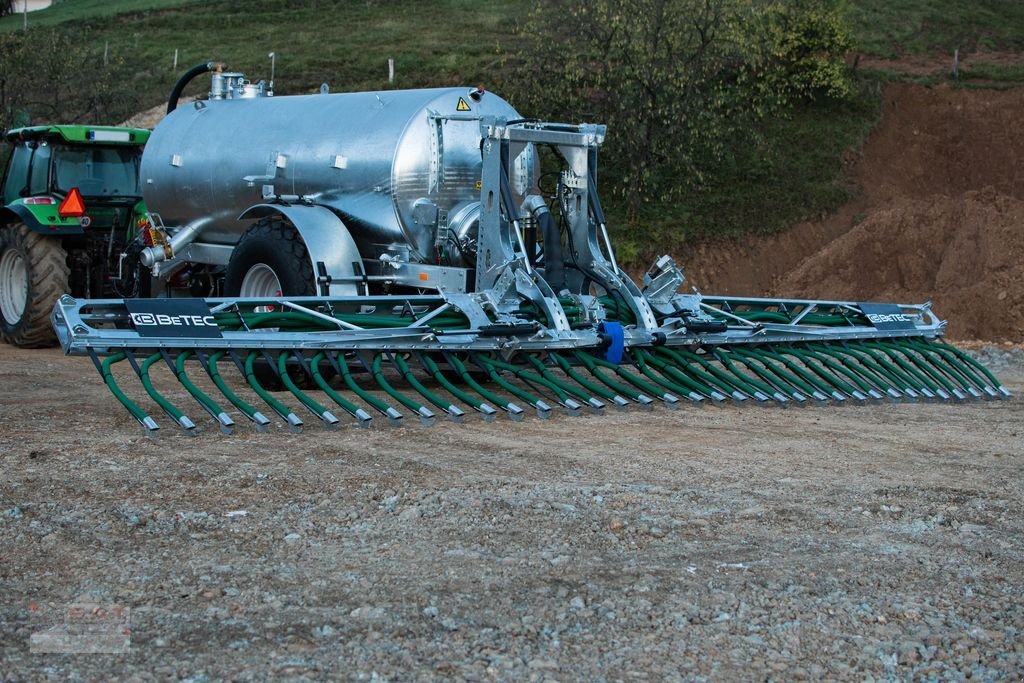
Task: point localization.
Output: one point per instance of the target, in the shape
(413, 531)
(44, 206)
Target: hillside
(894, 214)
(940, 217)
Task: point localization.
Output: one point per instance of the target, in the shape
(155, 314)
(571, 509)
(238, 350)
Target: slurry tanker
(402, 253)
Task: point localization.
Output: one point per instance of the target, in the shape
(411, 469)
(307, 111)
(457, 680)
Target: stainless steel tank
(382, 160)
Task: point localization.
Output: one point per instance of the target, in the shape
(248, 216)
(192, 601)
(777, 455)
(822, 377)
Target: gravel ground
(868, 542)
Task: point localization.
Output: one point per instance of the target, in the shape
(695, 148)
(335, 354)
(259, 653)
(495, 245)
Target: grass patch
(892, 28)
(993, 74)
(345, 43)
(75, 10)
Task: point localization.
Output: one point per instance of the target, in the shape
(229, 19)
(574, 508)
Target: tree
(680, 83)
(53, 80)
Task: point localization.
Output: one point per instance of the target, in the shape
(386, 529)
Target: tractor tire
(33, 275)
(270, 260)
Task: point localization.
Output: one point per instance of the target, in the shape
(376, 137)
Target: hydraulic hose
(186, 78)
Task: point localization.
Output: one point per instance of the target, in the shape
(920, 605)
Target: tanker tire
(33, 275)
(276, 245)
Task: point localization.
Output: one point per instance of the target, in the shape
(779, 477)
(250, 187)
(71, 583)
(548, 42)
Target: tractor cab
(102, 164)
(71, 203)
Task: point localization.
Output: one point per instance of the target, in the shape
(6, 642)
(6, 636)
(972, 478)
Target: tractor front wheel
(33, 275)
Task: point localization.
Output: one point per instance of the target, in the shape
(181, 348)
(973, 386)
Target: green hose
(346, 405)
(192, 389)
(839, 364)
(464, 374)
(108, 377)
(706, 373)
(737, 381)
(679, 374)
(966, 372)
(304, 398)
(377, 373)
(725, 360)
(870, 376)
(571, 372)
(773, 382)
(435, 371)
(923, 362)
(904, 382)
(820, 368)
(211, 369)
(922, 381)
(770, 360)
(147, 384)
(488, 366)
(639, 360)
(804, 374)
(346, 375)
(574, 391)
(970, 361)
(426, 393)
(593, 365)
(278, 407)
(530, 377)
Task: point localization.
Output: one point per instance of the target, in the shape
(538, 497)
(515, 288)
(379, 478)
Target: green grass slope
(893, 28)
(67, 11)
(347, 43)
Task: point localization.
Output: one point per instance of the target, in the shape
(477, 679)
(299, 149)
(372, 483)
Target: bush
(49, 79)
(805, 44)
(684, 85)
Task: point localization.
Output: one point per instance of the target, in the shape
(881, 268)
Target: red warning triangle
(72, 206)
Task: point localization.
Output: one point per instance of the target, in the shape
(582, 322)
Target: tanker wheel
(33, 275)
(271, 260)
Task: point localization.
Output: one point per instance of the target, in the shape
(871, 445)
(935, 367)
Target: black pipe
(179, 87)
(554, 261)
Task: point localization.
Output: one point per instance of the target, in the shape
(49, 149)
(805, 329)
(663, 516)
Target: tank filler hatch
(234, 86)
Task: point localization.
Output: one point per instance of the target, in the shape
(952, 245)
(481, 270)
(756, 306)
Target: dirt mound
(154, 115)
(964, 253)
(940, 217)
(945, 141)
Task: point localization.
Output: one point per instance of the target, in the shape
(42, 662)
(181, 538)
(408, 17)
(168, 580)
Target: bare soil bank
(940, 218)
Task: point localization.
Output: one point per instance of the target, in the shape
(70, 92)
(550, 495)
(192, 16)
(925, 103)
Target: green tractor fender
(40, 216)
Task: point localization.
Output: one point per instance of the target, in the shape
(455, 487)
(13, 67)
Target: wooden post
(391, 70)
(106, 53)
(175, 59)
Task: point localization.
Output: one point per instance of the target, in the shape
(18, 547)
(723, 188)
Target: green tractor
(72, 205)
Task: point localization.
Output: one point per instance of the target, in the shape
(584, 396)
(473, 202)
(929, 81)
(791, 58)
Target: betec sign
(887, 316)
(172, 318)
(180, 320)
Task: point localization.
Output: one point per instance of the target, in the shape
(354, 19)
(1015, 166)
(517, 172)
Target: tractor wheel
(270, 260)
(33, 275)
